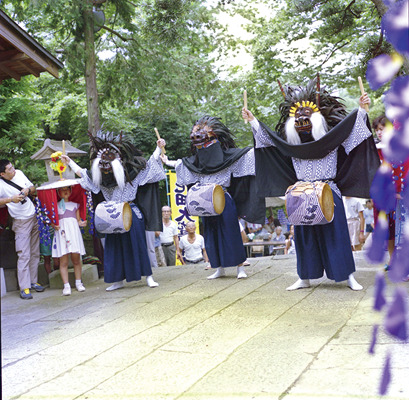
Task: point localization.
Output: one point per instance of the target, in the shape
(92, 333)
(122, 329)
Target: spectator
(277, 236)
(160, 257)
(68, 239)
(289, 241)
(253, 230)
(193, 246)
(169, 238)
(354, 212)
(265, 233)
(45, 251)
(150, 245)
(14, 189)
(369, 218)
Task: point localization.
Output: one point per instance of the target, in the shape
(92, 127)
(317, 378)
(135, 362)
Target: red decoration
(50, 198)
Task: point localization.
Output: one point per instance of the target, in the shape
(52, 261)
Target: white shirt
(168, 232)
(368, 216)
(193, 251)
(352, 207)
(17, 210)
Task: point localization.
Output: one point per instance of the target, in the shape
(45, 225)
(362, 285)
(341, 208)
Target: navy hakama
(223, 241)
(326, 248)
(126, 255)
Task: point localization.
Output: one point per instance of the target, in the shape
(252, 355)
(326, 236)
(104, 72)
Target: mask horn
(281, 88)
(317, 93)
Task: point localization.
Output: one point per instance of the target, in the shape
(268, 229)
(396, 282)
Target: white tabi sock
(353, 284)
(115, 286)
(241, 273)
(219, 273)
(300, 284)
(151, 282)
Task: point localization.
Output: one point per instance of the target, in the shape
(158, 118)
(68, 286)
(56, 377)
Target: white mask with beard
(319, 128)
(117, 170)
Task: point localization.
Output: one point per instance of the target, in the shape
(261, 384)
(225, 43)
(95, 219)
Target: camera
(24, 200)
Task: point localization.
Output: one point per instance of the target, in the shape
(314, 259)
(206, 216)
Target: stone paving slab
(192, 338)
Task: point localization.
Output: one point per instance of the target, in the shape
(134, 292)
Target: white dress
(68, 239)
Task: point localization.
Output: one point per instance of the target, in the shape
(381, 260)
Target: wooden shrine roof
(21, 55)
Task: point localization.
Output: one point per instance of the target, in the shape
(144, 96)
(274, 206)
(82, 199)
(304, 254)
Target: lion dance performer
(119, 173)
(315, 140)
(217, 160)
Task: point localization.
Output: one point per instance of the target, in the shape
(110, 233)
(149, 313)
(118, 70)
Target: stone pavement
(192, 339)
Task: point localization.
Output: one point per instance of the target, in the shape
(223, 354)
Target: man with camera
(14, 191)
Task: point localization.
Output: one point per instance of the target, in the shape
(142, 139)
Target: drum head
(219, 200)
(127, 216)
(327, 202)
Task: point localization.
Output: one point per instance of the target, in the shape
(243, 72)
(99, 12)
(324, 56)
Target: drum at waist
(309, 203)
(113, 217)
(205, 200)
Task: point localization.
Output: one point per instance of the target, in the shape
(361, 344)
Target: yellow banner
(177, 194)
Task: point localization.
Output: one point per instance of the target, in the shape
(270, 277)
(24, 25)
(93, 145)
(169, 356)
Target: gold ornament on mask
(303, 104)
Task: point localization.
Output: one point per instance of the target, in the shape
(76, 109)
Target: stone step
(53, 280)
(89, 274)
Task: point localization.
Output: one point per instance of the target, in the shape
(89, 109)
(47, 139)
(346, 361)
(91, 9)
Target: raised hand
(364, 99)
(247, 114)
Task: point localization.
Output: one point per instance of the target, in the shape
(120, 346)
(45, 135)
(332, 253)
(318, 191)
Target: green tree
(20, 119)
(299, 38)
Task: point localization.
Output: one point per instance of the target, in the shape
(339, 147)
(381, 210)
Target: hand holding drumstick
(247, 114)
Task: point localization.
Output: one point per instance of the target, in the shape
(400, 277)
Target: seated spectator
(193, 246)
(264, 234)
(289, 241)
(277, 236)
(253, 229)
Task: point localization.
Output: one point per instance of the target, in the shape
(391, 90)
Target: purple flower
(397, 105)
(405, 196)
(400, 263)
(395, 320)
(376, 253)
(373, 341)
(397, 150)
(388, 3)
(395, 23)
(379, 289)
(386, 376)
(382, 189)
(382, 69)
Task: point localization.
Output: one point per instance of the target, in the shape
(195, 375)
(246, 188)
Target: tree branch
(132, 4)
(335, 48)
(117, 34)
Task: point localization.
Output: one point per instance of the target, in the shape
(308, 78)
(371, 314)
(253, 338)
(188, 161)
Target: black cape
(243, 189)
(355, 172)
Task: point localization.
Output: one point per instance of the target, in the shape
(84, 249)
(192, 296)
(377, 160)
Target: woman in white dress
(68, 239)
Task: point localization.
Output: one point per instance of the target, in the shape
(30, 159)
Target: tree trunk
(382, 9)
(90, 70)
